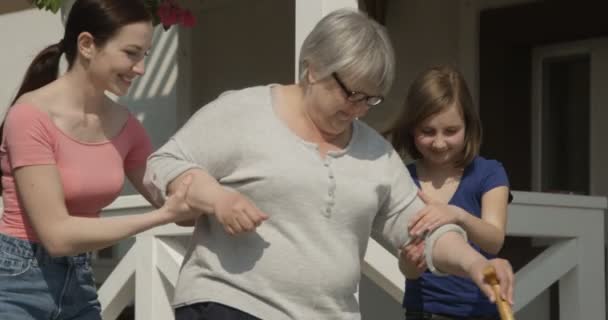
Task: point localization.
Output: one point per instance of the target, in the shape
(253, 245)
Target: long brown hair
(433, 91)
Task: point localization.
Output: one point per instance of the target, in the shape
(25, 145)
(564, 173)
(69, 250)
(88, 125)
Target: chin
(338, 130)
(444, 160)
(118, 91)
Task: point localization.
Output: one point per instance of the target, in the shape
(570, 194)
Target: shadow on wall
(152, 98)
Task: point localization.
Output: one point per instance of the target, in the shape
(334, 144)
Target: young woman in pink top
(66, 148)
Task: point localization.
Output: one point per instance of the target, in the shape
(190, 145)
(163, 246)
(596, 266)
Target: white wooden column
(152, 301)
(308, 13)
(582, 291)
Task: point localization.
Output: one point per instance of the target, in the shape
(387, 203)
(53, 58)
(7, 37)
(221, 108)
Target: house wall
(424, 33)
(20, 47)
(237, 44)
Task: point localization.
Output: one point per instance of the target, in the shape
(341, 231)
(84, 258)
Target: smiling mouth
(127, 80)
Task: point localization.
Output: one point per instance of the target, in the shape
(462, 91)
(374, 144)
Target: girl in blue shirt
(441, 130)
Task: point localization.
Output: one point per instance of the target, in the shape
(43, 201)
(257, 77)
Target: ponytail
(42, 71)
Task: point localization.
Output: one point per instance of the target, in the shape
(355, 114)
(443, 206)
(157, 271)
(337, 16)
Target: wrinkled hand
(412, 262)
(432, 216)
(176, 207)
(236, 213)
(504, 274)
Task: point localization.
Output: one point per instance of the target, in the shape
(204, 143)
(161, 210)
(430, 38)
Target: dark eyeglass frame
(355, 96)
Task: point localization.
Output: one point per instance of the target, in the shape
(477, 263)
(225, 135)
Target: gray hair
(352, 44)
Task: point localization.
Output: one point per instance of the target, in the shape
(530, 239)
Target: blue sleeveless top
(453, 295)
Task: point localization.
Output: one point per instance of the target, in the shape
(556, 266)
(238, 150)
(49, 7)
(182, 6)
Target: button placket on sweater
(327, 210)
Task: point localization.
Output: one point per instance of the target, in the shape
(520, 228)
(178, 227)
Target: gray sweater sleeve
(401, 204)
(164, 165)
(201, 143)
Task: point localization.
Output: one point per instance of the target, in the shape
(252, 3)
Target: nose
(358, 109)
(139, 68)
(439, 143)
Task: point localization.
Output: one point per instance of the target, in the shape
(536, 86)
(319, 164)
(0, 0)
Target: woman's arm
(452, 254)
(41, 194)
(233, 210)
(488, 232)
(136, 177)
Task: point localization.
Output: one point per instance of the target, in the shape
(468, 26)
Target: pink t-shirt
(92, 174)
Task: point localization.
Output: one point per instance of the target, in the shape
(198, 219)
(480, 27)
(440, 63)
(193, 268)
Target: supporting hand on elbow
(412, 262)
(237, 213)
(176, 207)
(433, 216)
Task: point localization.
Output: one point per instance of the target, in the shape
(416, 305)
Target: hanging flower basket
(165, 12)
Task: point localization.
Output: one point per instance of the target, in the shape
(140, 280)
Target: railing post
(151, 300)
(582, 291)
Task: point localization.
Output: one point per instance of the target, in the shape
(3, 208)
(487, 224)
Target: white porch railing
(573, 225)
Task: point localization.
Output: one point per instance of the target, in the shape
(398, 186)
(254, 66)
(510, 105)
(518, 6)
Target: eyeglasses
(355, 96)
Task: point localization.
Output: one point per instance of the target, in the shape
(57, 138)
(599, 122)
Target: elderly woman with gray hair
(291, 185)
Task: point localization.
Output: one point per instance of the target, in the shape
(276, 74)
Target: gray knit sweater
(304, 262)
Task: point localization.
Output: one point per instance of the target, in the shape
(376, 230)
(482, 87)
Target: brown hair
(432, 92)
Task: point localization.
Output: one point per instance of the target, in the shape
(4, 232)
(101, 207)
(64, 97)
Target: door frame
(597, 49)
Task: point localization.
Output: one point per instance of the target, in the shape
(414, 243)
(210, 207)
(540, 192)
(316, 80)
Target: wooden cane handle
(504, 309)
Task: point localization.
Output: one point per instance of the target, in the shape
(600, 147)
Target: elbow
(498, 247)
(57, 249)
(494, 251)
(495, 247)
(57, 246)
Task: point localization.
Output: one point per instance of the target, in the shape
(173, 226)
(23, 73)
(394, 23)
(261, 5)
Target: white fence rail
(572, 226)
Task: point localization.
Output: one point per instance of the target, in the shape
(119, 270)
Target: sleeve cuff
(157, 184)
(430, 243)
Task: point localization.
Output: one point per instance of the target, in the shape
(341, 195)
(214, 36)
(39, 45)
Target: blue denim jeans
(34, 285)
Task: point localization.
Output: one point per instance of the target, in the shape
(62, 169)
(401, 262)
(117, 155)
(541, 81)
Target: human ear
(86, 45)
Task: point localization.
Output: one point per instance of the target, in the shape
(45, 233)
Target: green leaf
(50, 5)
(55, 5)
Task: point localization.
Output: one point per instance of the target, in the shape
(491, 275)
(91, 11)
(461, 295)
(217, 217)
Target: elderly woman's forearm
(452, 254)
(202, 192)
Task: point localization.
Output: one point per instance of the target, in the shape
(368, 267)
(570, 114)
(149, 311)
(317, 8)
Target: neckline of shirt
(47, 118)
(311, 145)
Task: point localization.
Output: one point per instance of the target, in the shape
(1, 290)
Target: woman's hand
(434, 215)
(176, 207)
(504, 275)
(412, 262)
(237, 213)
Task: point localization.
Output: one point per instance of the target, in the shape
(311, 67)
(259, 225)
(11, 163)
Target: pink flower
(167, 15)
(170, 13)
(187, 19)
